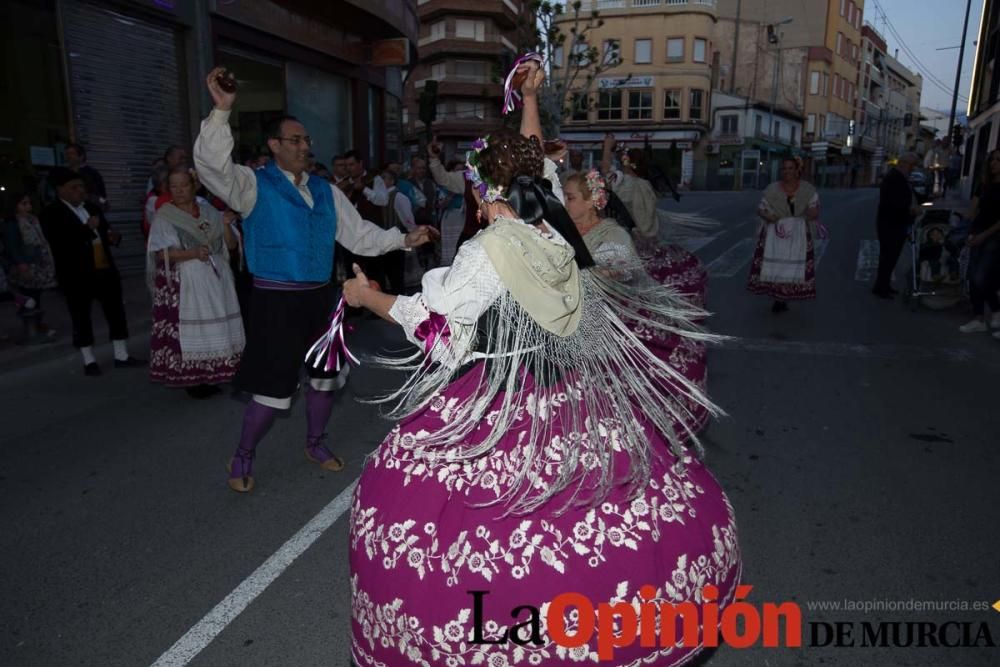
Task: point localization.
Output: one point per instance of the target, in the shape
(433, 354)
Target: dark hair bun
(510, 155)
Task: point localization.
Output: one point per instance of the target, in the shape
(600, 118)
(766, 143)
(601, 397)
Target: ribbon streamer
(431, 330)
(512, 99)
(332, 343)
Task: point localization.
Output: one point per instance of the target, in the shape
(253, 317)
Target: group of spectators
(71, 245)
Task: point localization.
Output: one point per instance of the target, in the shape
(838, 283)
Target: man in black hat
(81, 241)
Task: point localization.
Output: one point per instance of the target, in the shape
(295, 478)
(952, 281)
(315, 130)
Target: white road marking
(867, 261)
(208, 628)
(729, 263)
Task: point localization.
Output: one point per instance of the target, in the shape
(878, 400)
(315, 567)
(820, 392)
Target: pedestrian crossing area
(728, 253)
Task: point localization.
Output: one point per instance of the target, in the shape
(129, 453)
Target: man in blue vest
(290, 223)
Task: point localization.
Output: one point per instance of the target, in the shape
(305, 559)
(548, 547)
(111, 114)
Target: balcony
(450, 43)
(458, 86)
(614, 6)
(504, 12)
(728, 138)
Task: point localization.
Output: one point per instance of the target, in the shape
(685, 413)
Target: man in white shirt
(370, 185)
(290, 223)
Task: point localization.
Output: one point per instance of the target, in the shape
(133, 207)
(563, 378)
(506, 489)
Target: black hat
(60, 176)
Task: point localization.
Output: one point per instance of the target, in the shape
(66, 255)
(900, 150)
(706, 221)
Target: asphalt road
(859, 451)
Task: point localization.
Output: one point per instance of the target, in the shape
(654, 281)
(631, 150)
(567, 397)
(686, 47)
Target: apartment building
(660, 94)
(466, 47)
(817, 45)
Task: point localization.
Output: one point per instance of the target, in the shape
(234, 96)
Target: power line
(922, 68)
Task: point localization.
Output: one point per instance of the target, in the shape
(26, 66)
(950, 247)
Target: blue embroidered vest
(284, 239)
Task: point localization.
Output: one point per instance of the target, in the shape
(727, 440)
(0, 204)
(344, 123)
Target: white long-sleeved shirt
(404, 209)
(237, 186)
(452, 181)
(377, 194)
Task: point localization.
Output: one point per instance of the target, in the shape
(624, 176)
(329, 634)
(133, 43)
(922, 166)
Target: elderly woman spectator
(197, 338)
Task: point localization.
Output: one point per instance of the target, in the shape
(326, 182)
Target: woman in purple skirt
(540, 450)
(197, 336)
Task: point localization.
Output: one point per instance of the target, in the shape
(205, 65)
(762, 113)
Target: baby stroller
(939, 259)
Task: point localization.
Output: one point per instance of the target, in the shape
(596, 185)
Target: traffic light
(428, 102)
(956, 136)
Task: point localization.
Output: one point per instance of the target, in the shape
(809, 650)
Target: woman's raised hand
(535, 78)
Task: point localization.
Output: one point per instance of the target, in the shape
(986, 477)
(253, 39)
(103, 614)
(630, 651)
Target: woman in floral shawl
(197, 338)
(667, 263)
(783, 265)
(536, 451)
(610, 244)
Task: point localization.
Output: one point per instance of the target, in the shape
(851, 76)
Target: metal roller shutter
(129, 104)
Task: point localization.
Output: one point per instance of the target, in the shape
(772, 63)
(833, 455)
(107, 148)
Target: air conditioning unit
(712, 149)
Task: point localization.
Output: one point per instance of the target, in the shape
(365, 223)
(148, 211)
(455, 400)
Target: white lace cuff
(409, 312)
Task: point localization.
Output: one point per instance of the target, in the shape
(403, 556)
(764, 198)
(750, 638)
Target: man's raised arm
(213, 154)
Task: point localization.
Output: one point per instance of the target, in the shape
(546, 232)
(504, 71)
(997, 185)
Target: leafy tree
(574, 62)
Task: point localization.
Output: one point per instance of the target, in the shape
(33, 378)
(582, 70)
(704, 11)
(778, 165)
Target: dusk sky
(924, 26)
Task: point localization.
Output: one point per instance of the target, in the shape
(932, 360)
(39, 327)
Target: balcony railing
(487, 38)
(450, 77)
(600, 5)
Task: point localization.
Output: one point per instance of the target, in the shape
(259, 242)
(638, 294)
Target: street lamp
(774, 37)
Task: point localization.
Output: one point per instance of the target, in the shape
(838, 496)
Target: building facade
(466, 46)
(758, 72)
(660, 95)
(984, 98)
(740, 146)
(126, 79)
(817, 46)
(888, 107)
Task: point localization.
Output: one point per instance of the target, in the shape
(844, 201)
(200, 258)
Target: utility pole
(774, 38)
(736, 48)
(958, 72)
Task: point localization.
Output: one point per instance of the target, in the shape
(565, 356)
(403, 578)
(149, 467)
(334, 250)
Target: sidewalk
(138, 308)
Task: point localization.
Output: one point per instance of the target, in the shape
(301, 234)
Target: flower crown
(487, 191)
(598, 189)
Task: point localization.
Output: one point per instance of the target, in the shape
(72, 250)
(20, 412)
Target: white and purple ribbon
(332, 343)
(512, 99)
